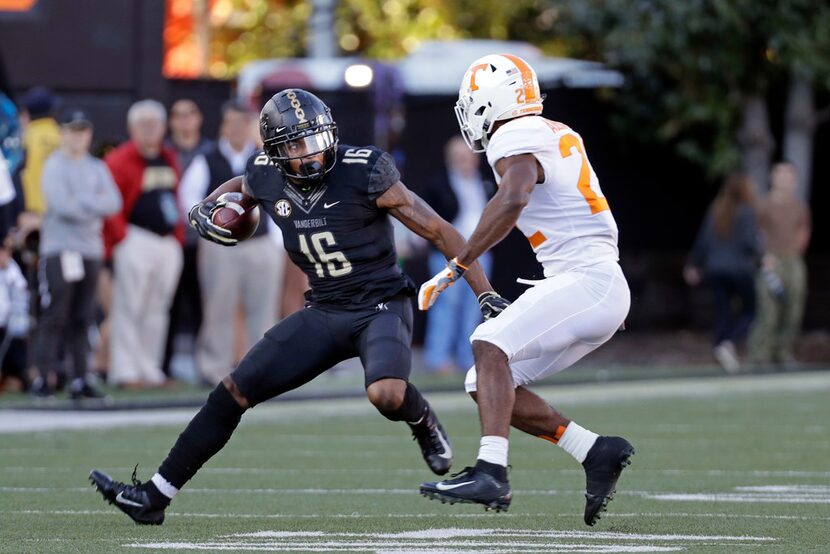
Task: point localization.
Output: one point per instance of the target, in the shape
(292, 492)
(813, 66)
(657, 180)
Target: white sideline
(26, 421)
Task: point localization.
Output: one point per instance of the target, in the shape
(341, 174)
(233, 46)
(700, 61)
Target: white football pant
(557, 322)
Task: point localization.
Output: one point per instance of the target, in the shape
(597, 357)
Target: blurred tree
(242, 30)
(698, 73)
(391, 28)
(245, 30)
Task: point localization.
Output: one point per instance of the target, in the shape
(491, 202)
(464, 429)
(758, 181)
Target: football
(239, 215)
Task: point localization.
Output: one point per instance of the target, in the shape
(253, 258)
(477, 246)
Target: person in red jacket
(144, 240)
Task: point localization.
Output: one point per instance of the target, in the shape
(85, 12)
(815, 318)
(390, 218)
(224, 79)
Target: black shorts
(312, 340)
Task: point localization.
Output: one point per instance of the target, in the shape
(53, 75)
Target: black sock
(414, 407)
(497, 471)
(204, 436)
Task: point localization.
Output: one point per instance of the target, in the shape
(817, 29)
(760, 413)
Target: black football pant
(293, 352)
(730, 323)
(68, 309)
(308, 342)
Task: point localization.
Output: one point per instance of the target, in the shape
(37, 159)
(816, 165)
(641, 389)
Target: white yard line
(468, 547)
(741, 498)
(25, 421)
(413, 471)
(685, 515)
(424, 515)
(454, 532)
(773, 494)
(459, 540)
(309, 490)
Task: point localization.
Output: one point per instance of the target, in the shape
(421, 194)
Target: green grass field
(723, 465)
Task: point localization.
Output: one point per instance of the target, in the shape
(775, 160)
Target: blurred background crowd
(705, 123)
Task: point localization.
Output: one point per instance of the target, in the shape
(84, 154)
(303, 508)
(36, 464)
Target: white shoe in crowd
(726, 356)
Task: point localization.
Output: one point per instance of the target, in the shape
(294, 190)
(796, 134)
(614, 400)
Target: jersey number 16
(330, 259)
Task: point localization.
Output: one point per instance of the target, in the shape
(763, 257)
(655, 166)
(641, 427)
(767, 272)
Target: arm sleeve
(193, 185)
(58, 197)
(520, 136)
(107, 199)
(259, 175)
(700, 248)
(383, 175)
(7, 193)
(115, 226)
(750, 234)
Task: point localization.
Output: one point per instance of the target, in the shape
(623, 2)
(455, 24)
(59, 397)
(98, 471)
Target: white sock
(164, 486)
(493, 449)
(577, 441)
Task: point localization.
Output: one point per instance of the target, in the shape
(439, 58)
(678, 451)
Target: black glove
(200, 219)
(492, 304)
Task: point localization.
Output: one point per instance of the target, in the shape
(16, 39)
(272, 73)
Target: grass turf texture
(722, 464)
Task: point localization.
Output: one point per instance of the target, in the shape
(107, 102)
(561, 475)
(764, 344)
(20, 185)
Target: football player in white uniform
(548, 189)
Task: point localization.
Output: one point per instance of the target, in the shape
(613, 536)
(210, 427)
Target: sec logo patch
(283, 208)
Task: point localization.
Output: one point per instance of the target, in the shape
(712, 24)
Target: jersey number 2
(597, 203)
(323, 257)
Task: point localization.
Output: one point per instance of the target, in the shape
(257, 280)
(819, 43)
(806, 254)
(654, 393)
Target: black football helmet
(295, 124)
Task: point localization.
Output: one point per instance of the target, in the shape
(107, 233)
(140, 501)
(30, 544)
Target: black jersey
(336, 234)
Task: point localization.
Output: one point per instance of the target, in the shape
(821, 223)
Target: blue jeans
(451, 320)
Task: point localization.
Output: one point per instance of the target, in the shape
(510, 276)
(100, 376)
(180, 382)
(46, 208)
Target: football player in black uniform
(332, 203)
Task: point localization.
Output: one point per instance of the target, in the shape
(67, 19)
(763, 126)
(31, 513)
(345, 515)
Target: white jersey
(567, 221)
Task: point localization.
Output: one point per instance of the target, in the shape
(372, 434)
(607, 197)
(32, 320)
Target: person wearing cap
(40, 138)
(79, 192)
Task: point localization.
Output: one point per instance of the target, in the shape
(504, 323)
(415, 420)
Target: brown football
(239, 215)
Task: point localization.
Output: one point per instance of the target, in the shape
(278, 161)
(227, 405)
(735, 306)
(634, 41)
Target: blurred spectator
(14, 321)
(784, 221)
(7, 196)
(459, 196)
(79, 192)
(11, 145)
(247, 274)
(726, 252)
(40, 139)
(11, 158)
(186, 132)
(186, 312)
(147, 254)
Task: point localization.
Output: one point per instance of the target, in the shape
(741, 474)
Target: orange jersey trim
(537, 239)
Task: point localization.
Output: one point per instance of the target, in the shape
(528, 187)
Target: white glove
(429, 291)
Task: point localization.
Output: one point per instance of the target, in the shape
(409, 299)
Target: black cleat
(471, 487)
(80, 389)
(603, 466)
(42, 389)
(434, 443)
(130, 499)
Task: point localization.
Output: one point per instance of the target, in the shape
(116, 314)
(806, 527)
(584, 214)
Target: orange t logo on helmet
(473, 70)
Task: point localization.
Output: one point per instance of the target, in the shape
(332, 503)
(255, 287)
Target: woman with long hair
(726, 252)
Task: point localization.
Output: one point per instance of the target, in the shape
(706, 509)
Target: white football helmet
(495, 87)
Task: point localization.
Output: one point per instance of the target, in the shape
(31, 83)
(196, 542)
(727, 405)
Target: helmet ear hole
(480, 110)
